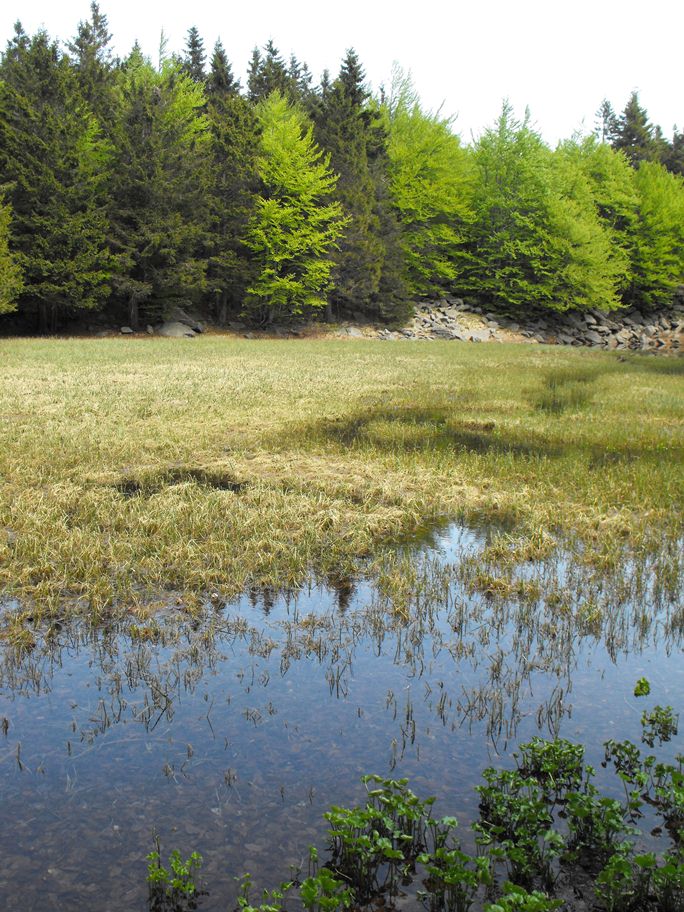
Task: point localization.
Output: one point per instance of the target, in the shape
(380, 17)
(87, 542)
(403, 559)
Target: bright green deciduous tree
(588, 266)
(10, 274)
(431, 187)
(658, 243)
(609, 189)
(295, 226)
(538, 239)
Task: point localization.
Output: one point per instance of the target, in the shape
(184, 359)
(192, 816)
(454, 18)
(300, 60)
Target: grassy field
(134, 468)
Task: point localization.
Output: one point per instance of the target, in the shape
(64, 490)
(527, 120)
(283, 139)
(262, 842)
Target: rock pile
(451, 318)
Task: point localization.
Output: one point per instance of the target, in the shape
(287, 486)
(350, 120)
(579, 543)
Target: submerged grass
(128, 467)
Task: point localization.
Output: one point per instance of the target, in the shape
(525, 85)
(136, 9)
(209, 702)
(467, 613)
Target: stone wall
(451, 318)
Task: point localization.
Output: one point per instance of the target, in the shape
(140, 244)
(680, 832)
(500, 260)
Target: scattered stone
(126, 331)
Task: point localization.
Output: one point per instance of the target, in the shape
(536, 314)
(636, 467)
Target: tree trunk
(134, 313)
(42, 318)
(222, 314)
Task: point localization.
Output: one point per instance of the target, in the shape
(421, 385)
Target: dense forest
(129, 186)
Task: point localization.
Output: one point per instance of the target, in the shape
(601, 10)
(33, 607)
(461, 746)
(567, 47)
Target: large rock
(179, 315)
(176, 330)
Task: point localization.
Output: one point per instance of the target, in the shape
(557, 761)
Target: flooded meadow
(230, 730)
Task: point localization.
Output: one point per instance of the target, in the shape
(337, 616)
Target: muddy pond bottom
(231, 733)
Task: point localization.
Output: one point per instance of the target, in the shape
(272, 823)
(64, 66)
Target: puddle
(153, 482)
(232, 733)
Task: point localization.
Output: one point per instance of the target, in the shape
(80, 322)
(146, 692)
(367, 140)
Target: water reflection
(231, 732)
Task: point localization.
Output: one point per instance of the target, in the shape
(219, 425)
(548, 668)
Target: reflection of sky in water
(234, 737)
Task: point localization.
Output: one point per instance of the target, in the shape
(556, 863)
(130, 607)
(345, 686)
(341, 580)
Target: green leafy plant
(516, 823)
(660, 724)
(453, 879)
(172, 888)
(517, 899)
(642, 688)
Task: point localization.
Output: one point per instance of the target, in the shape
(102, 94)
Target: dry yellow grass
(130, 467)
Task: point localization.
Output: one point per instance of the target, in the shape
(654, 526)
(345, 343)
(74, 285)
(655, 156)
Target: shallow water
(231, 734)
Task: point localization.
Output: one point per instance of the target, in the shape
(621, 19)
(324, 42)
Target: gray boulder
(179, 315)
(173, 329)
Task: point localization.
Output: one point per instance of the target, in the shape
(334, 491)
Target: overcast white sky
(560, 58)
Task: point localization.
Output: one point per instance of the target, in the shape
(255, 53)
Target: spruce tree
(674, 156)
(221, 83)
(10, 274)
(634, 135)
(234, 146)
(295, 225)
(92, 60)
(366, 274)
(606, 122)
(159, 211)
(194, 58)
(267, 73)
(56, 165)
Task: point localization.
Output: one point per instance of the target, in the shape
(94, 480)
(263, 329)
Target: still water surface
(231, 734)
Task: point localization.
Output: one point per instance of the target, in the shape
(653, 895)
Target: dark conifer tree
(92, 59)
(221, 82)
(159, 188)
(254, 75)
(634, 135)
(233, 181)
(267, 73)
(300, 89)
(606, 123)
(56, 165)
(194, 58)
(348, 129)
(673, 159)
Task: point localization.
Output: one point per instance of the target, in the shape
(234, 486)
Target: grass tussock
(131, 468)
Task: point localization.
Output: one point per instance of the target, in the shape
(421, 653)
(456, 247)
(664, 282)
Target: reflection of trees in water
(475, 635)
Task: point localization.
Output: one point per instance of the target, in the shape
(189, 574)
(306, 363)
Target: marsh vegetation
(236, 577)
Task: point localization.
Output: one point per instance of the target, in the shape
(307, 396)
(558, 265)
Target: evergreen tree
(673, 158)
(56, 165)
(350, 130)
(93, 62)
(431, 186)
(606, 123)
(267, 74)
(234, 146)
(658, 243)
(160, 183)
(194, 58)
(10, 274)
(295, 226)
(221, 83)
(299, 89)
(634, 135)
